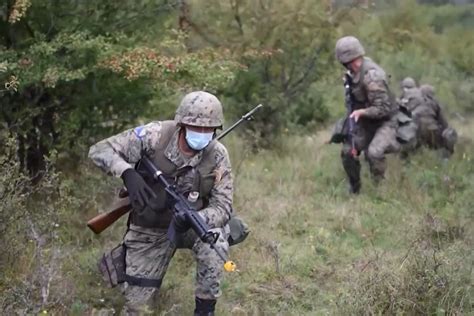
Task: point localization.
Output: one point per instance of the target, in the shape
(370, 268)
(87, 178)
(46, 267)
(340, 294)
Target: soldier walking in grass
(186, 151)
(373, 111)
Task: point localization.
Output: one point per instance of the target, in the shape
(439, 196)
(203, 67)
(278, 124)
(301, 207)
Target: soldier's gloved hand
(180, 223)
(139, 192)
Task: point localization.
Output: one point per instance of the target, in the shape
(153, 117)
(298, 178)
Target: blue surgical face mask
(196, 140)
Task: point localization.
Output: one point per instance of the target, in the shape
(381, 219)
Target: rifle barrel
(246, 117)
(101, 221)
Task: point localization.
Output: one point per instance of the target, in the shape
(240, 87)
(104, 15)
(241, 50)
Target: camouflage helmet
(427, 89)
(408, 83)
(200, 108)
(348, 48)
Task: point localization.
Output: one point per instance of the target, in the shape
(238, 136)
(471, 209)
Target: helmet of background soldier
(408, 83)
(200, 108)
(427, 89)
(348, 48)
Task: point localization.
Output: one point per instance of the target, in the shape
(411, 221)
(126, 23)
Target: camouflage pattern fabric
(408, 132)
(348, 48)
(408, 83)
(120, 152)
(375, 132)
(370, 91)
(148, 249)
(375, 142)
(428, 115)
(200, 108)
(411, 98)
(149, 253)
(450, 137)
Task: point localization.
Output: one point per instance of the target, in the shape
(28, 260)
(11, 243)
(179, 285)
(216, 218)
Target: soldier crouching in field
(373, 111)
(434, 130)
(184, 149)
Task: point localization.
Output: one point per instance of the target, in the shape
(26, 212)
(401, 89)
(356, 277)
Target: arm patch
(139, 131)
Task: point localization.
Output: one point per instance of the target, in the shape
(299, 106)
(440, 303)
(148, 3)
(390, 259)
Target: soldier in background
(434, 130)
(184, 149)
(410, 99)
(373, 110)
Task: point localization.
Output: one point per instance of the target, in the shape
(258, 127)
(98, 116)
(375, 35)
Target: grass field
(404, 247)
(314, 249)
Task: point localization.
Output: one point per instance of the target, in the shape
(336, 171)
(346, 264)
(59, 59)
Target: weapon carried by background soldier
(121, 207)
(433, 130)
(198, 168)
(372, 109)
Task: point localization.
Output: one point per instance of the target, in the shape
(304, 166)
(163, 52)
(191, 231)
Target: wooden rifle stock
(100, 222)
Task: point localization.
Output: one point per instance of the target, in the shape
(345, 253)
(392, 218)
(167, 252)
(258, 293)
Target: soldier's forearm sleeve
(380, 104)
(120, 152)
(112, 155)
(219, 210)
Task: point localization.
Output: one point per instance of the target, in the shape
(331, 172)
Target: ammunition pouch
(339, 132)
(450, 137)
(112, 267)
(407, 128)
(239, 231)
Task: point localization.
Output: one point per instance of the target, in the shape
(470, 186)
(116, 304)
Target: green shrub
(431, 278)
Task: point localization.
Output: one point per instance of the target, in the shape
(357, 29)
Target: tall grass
(404, 247)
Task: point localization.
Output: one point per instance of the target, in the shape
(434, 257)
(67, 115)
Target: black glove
(138, 191)
(180, 223)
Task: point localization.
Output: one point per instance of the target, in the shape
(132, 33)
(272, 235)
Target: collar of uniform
(173, 153)
(356, 77)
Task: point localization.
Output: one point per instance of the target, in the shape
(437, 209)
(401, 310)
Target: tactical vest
(158, 213)
(358, 91)
(426, 109)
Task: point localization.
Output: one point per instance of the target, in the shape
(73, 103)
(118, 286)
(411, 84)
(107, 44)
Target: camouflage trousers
(431, 135)
(149, 253)
(375, 140)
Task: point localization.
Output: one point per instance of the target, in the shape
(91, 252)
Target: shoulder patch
(139, 131)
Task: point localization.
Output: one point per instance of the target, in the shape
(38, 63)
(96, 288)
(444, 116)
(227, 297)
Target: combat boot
(352, 167)
(204, 307)
(354, 186)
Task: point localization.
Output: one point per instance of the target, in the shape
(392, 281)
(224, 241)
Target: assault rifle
(350, 109)
(102, 221)
(184, 210)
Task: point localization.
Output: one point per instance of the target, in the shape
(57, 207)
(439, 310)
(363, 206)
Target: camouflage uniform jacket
(120, 152)
(432, 111)
(411, 99)
(370, 91)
